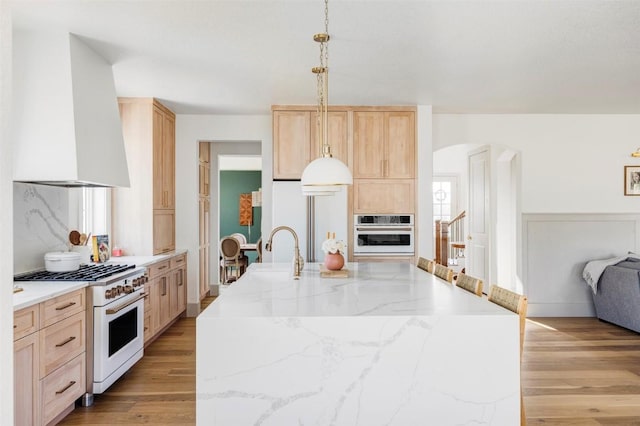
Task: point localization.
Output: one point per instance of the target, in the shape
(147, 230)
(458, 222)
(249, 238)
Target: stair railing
(449, 238)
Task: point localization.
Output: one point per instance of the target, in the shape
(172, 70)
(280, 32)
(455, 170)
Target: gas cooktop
(85, 273)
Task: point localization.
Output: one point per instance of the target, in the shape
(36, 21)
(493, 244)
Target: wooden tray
(326, 273)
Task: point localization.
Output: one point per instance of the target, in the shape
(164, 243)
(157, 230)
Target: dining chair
(240, 237)
(443, 272)
(469, 283)
(515, 303)
(231, 259)
(426, 264)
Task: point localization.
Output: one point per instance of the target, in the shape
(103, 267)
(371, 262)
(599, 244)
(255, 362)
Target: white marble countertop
(372, 289)
(39, 291)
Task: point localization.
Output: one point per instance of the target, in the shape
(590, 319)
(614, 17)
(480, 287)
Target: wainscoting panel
(556, 247)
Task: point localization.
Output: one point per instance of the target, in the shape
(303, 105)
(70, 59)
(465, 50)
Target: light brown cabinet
(149, 134)
(178, 286)
(49, 358)
(204, 205)
(295, 141)
(164, 149)
(384, 144)
(166, 297)
(26, 378)
(383, 196)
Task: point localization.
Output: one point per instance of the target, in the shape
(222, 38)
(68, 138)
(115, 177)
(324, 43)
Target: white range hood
(66, 123)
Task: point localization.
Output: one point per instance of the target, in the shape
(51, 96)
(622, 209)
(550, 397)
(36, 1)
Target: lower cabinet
(166, 296)
(49, 359)
(26, 377)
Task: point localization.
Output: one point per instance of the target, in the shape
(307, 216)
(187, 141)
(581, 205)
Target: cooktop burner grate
(85, 273)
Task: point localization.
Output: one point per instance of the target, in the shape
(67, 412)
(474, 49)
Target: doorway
(499, 204)
(240, 187)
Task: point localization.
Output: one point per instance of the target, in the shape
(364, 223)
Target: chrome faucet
(298, 261)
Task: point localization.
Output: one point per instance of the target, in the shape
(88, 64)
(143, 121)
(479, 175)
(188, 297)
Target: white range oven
(383, 235)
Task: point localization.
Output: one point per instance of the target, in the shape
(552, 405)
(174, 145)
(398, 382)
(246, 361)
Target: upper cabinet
(384, 144)
(378, 144)
(291, 143)
(143, 220)
(164, 154)
(295, 141)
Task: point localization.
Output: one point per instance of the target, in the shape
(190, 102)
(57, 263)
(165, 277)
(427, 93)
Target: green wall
(232, 184)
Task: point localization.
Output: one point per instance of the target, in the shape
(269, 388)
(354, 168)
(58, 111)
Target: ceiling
(240, 57)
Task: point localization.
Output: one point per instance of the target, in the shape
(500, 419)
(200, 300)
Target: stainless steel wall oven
(383, 235)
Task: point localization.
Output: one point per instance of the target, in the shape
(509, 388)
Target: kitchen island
(388, 345)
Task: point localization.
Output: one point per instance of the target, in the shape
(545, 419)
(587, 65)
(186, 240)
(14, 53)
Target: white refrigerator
(291, 208)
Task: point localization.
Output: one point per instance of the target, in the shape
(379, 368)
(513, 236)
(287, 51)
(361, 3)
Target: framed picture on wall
(631, 180)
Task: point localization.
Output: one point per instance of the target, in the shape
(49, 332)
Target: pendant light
(324, 175)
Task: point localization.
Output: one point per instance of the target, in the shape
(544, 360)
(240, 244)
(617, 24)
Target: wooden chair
(240, 237)
(443, 272)
(231, 259)
(469, 283)
(515, 303)
(426, 264)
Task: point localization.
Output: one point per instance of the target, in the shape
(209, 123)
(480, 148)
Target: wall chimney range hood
(66, 124)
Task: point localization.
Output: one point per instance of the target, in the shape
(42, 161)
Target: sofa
(617, 299)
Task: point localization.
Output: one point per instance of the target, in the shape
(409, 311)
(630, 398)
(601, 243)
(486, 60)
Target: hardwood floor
(580, 371)
(159, 390)
(575, 371)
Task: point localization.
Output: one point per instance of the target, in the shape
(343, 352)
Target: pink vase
(333, 261)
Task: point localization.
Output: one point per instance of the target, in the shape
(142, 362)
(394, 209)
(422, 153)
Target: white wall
(570, 163)
(566, 164)
(6, 228)
(190, 130)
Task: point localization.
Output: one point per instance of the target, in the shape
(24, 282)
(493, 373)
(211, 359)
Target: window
(95, 210)
(444, 197)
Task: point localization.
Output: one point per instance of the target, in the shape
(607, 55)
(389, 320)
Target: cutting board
(326, 273)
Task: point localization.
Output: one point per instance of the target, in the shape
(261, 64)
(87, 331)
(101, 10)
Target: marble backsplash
(40, 224)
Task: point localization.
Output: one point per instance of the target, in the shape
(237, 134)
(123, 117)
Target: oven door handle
(112, 311)
(383, 229)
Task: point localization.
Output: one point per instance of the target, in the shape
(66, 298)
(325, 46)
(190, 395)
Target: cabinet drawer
(61, 307)
(61, 342)
(25, 321)
(178, 261)
(158, 269)
(62, 387)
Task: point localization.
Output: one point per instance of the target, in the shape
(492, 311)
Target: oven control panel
(131, 282)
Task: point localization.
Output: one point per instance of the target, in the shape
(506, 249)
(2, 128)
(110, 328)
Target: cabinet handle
(63, 390)
(121, 307)
(70, 339)
(68, 305)
(162, 267)
(180, 280)
(164, 286)
(15, 326)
